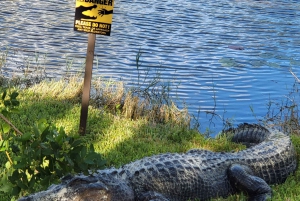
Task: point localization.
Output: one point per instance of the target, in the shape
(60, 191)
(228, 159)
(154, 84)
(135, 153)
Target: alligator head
(85, 188)
(79, 12)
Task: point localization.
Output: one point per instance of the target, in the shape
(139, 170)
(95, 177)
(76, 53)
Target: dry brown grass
(136, 103)
(70, 89)
(135, 107)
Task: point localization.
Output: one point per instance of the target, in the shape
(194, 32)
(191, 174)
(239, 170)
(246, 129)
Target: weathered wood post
(93, 17)
(87, 83)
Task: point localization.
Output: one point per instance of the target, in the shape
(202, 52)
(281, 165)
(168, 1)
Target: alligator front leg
(243, 179)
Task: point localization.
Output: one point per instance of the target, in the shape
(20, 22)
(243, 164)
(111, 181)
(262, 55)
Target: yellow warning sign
(94, 16)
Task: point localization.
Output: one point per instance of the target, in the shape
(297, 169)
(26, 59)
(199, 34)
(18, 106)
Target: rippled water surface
(226, 57)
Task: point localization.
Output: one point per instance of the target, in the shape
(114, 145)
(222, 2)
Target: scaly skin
(195, 175)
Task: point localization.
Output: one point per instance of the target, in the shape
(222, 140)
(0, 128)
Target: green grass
(120, 139)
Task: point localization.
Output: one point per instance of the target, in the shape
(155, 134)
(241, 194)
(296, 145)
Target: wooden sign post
(87, 82)
(93, 17)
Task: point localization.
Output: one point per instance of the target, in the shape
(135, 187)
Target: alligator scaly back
(195, 175)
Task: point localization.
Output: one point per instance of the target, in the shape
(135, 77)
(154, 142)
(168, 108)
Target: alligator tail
(250, 134)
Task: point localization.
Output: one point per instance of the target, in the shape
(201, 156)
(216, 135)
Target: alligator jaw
(76, 189)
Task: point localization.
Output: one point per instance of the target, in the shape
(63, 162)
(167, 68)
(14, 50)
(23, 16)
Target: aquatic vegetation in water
(228, 62)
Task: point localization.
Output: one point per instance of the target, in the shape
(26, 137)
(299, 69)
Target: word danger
(101, 2)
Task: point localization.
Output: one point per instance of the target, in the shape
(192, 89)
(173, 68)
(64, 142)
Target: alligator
(196, 175)
(79, 12)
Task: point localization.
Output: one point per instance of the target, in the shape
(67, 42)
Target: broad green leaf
(7, 103)
(14, 110)
(15, 103)
(35, 144)
(18, 158)
(23, 181)
(16, 190)
(4, 95)
(15, 148)
(45, 134)
(51, 163)
(4, 145)
(92, 149)
(61, 165)
(14, 177)
(62, 134)
(89, 159)
(21, 164)
(31, 182)
(25, 137)
(14, 95)
(44, 146)
(5, 112)
(76, 143)
(36, 153)
(69, 160)
(5, 127)
(46, 181)
(22, 185)
(42, 124)
(83, 151)
(55, 146)
(62, 131)
(36, 131)
(6, 187)
(7, 165)
(101, 162)
(83, 166)
(49, 135)
(47, 151)
(75, 151)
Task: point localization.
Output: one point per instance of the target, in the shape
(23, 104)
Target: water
(224, 57)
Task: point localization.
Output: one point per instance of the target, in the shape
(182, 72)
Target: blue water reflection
(224, 57)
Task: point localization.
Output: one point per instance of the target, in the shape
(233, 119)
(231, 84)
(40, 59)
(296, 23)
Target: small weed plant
(35, 160)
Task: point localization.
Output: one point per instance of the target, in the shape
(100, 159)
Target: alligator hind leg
(243, 179)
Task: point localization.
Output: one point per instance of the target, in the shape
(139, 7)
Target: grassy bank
(123, 126)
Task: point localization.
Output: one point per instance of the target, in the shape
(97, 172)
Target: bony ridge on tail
(195, 175)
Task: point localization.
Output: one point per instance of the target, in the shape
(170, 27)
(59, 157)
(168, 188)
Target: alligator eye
(79, 181)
